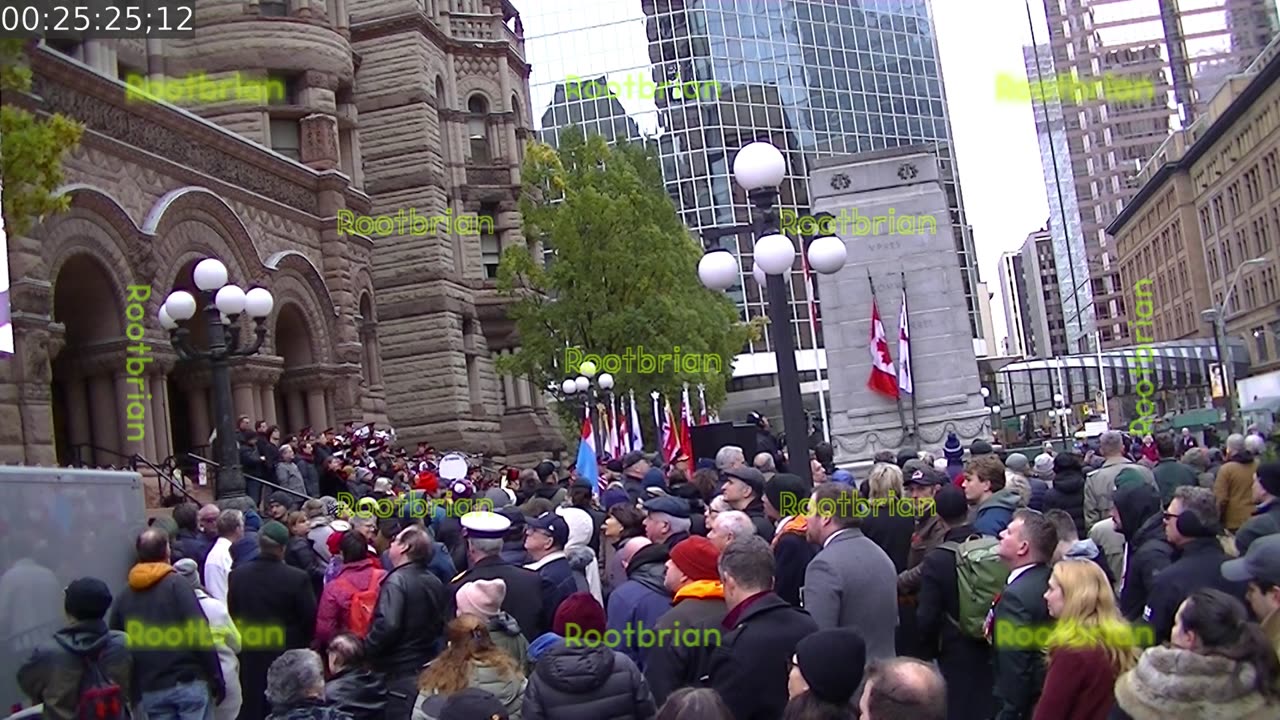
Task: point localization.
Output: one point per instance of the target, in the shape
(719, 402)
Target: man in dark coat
(965, 661)
(1136, 514)
(692, 574)
(744, 490)
(1192, 527)
(53, 673)
(792, 550)
(545, 538)
(1026, 546)
(523, 601)
(1266, 519)
(408, 619)
(749, 668)
(165, 677)
(190, 541)
(1171, 474)
(272, 598)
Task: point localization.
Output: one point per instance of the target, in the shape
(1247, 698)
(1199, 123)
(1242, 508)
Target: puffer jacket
(1067, 494)
(1174, 684)
(641, 600)
(335, 602)
(587, 683)
(506, 634)
(360, 692)
(508, 689)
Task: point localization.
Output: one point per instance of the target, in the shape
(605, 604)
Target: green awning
(1197, 418)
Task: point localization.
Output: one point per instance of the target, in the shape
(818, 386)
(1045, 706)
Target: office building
(817, 78)
(1013, 291)
(1032, 304)
(1209, 201)
(1179, 54)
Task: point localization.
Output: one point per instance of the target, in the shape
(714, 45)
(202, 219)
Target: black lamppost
(759, 169)
(223, 305)
(993, 407)
(581, 388)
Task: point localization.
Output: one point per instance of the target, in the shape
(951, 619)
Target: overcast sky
(1000, 173)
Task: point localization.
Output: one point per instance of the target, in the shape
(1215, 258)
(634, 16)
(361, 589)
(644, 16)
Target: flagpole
(817, 356)
(911, 358)
(902, 418)
(613, 425)
(657, 419)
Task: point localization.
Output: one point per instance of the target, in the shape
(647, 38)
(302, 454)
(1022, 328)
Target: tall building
(380, 109)
(1175, 55)
(1013, 291)
(817, 78)
(1209, 202)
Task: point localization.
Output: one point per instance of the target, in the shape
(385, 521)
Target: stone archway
(89, 372)
(301, 398)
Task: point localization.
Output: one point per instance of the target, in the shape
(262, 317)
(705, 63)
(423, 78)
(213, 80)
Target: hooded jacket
(640, 601)
(53, 673)
(587, 683)
(1088, 550)
(506, 634)
(1234, 489)
(359, 692)
(1067, 494)
(1148, 552)
(995, 513)
(508, 689)
(1174, 684)
(157, 597)
(1198, 565)
(333, 612)
(671, 666)
(1265, 521)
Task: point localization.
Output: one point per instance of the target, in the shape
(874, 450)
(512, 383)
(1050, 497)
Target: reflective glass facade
(813, 77)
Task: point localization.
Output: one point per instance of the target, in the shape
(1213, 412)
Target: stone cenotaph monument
(890, 209)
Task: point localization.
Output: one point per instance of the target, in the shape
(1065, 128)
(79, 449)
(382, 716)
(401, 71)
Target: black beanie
(87, 598)
(796, 491)
(1269, 477)
(950, 503)
(831, 662)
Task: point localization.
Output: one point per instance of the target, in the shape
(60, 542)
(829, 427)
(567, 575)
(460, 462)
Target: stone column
(78, 418)
(316, 411)
(243, 393)
(198, 411)
(160, 409)
(319, 142)
(296, 404)
(106, 428)
(267, 393)
(137, 437)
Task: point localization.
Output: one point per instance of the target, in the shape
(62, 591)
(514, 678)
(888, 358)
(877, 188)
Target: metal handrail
(161, 473)
(217, 464)
(76, 447)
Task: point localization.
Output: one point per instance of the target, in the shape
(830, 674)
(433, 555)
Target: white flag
(905, 383)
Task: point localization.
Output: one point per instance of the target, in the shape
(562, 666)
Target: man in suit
(851, 582)
(485, 532)
(1026, 546)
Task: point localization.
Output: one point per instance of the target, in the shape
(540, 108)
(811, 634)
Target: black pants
(402, 692)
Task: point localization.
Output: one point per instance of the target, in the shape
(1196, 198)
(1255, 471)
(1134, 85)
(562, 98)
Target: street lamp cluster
(582, 387)
(992, 407)
(759, 169)
(223, 306)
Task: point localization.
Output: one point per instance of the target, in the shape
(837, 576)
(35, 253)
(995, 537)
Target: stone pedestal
(897, 192)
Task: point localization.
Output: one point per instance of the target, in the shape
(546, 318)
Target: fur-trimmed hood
(1174, 684)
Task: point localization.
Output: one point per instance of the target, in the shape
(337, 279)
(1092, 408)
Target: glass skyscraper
(814, 77)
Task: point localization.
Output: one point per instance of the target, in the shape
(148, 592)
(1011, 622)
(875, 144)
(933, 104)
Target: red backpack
(99, 697)
(363, 602)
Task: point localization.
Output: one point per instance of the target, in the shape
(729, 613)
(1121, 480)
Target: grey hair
(1235, 442)
(720, 505)
(749, 561)
(229, 521)
(1255, 444)
(485, 546)
(927, 458)
(1111, 443)
(1199, 502)
(735, 522)
(764, 463)
(363, 518)
(293, 677)
(678, 525)
(728, 455)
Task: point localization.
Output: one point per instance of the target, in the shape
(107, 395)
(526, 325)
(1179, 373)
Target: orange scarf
(798, 525)
(700, 590)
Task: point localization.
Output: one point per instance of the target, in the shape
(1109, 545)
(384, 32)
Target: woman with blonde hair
(470, 661)
(1089, 645)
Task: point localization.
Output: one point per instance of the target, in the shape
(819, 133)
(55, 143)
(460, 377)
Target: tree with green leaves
(621, 272)
(31, 148)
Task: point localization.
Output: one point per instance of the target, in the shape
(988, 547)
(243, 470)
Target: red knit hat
(579, 609)
(696, 557)
(332, 543)
(428, 482)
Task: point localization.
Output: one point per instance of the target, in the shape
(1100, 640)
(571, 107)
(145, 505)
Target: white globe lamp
(827, 254)
(759, 165)
(582, 383)
(210, 274)
(166, 322)
(230, 300)
(757, 272)
(606, 381)
(569, 387)
(258, 302)
(718, 269)
(775, 254)
(181, 305)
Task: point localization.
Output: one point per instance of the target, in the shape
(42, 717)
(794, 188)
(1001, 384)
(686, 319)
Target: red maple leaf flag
(884, 379)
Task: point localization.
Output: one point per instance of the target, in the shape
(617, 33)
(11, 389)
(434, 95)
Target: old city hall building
(374, 108)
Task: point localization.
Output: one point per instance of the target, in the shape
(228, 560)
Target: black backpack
(99, 697)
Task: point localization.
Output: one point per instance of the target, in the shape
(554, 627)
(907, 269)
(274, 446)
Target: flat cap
(668, 505)
(632, 458)
(485, 525)
(749, 475)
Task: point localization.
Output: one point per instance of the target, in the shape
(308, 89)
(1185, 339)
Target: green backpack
(981, 576)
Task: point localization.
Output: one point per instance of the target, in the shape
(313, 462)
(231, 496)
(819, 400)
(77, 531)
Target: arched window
(478, 128)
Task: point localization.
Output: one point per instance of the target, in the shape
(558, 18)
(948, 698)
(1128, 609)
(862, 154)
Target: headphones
(1189, 525)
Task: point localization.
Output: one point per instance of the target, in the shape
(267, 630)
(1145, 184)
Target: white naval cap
(483, 524)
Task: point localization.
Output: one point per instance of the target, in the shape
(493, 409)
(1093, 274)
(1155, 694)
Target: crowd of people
(1118, 584)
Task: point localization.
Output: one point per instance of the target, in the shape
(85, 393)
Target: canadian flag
(670, 435)
(883, 378)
